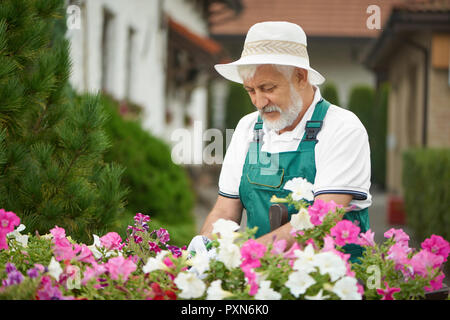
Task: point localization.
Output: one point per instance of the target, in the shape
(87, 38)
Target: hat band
(275, 47)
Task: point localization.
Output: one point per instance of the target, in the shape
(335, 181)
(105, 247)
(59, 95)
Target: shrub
(158, 186)
(238, 105)
(426, 176)
(329, 93)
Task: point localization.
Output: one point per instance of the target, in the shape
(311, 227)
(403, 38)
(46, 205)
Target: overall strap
(314, 125)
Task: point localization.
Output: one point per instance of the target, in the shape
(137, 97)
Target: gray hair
(248, 71)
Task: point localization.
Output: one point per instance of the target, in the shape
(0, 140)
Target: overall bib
(265, 174)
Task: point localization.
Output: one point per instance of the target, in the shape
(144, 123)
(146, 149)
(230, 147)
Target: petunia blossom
(265, 292)
(8, 221)
(119, 266)
(301, 189)
(320, 209)
(345, 232)
(111, 241)
(251, 253)
(437, 245)
(191, 287)
(387, 293)
(301, 220)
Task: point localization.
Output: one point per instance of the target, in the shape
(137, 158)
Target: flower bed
(146, 266)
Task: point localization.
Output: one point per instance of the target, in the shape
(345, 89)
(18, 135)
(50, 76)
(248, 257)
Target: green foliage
(238, 105)
(160, 188)
(51, 148)
(370, 107)
(330, 93)
(426, 176)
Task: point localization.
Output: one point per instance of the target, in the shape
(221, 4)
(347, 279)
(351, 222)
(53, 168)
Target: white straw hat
(272, 42)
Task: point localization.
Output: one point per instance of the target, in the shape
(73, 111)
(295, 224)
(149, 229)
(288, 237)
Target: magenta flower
(367, 238)
(153, 246)
(425, 260)
(399, 254)
(141, 218)
(437, 245)
(120, 266)
(320, 209)
(436, 283)
(251, 252)
(251, 279)
(58, 233)
(111, 241)
(63, 249)
(163, 235)
(290, 253)
(388, 293)
(345, 232)
(175, 250)
(47, 291)
(8, 221)
(399, 236)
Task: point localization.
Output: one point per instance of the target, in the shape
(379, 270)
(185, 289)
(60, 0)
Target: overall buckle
(312, 129)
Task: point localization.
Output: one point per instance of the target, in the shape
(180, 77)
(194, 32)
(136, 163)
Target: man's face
(274, 96)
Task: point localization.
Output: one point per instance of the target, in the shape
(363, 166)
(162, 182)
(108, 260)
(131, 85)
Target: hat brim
(230, 70)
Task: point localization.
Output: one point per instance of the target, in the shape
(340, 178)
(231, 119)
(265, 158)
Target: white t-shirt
(342, 154)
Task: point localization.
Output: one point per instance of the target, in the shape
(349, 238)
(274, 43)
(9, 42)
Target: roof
(319, 18)
(204, 43)
(407, 18)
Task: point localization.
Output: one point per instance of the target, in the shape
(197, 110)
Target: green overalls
(264, 175)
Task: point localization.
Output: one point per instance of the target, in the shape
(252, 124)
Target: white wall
(148, 77)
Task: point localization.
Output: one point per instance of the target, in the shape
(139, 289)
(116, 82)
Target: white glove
(198, 244)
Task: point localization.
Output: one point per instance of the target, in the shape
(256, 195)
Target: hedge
(159, 187)
(426, 176)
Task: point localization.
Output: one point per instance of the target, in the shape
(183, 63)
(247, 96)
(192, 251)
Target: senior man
(293, 133)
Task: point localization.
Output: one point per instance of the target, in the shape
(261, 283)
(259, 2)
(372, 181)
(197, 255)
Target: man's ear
(301, 77)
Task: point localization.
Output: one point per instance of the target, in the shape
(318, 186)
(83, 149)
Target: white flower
(226, 228)
(301, 189)
(155, 263)
(318, 296)
(298, 282)
(54, 268)
(346, 289)
(200, 263)
(265, 292)
(301, 220)
(20, 238)
(190, 285)
(97, 254)
(330, 263)
(305, 259)
(229, 253)
(215, 291)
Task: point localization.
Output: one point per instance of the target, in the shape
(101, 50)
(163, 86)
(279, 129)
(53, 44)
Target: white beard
(287, 117)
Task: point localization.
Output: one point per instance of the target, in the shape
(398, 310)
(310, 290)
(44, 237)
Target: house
(338, 33)
(413, 55)
(156, 54)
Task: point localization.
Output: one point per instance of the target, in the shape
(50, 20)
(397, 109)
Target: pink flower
(366, 239)
(436, 283)
(8, 220)
(278, 247)
(437, 245)
(111, 241)
(388, 293)
(85, 255)
(345, 232)
(251, 252)
(169, 263)
(320, 209)
(251, 279)
(290, 253)
(425, 260)
(328, 243)
(47, 291)
(399, 236)
(120, 266)
(58, 233)
(95, 271)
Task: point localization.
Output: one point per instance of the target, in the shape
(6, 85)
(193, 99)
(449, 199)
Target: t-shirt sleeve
(343, 164)
(233, 163)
